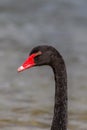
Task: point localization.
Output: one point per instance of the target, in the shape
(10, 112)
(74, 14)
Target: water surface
(26, 99)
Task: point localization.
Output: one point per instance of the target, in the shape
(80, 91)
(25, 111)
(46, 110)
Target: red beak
(29, 62)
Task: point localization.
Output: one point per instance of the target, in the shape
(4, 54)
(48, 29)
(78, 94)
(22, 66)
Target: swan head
(40, 55)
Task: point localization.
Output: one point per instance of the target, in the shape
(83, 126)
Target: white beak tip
(21, 68)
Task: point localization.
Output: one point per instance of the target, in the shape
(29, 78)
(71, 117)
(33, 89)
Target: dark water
(26, 99)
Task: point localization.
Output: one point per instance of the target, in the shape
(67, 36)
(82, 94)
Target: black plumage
(48, 55)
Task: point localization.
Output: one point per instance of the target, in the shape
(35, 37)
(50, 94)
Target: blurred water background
(26, 99)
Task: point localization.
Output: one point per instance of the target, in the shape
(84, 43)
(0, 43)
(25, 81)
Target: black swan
(48, 55)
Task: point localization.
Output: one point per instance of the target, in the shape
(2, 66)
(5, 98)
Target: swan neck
(60, 106)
